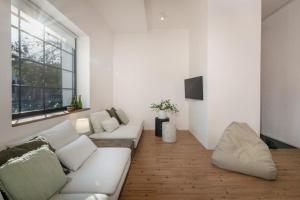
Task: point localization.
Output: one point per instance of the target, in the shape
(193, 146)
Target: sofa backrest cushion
(60, 135)
(97, 118)
(36, 175)
(76, 153)
(110, 125)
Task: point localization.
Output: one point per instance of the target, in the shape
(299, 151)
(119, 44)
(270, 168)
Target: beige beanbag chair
(241, 150)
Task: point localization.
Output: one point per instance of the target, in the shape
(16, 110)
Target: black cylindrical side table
(158, 125)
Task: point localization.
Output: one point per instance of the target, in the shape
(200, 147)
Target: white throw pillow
(74, 154)
(110, 125)
(97, 118)
(60, 135)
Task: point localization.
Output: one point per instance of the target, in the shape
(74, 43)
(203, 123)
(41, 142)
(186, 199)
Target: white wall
(82, 71)
(281, 75)
(225, 48)
(197, 67)
(150, 67)
(233, 72)
(223, 45)
(101, 40)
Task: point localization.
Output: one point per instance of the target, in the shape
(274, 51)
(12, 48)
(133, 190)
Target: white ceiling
(271, 6)
(123, 16)
(136, 16)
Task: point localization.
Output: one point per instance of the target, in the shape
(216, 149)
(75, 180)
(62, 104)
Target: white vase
(162, 114)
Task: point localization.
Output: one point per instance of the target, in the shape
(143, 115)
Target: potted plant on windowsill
(164, 107)
(76, 104)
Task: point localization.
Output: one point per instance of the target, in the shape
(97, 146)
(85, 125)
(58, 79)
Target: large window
(43, 62)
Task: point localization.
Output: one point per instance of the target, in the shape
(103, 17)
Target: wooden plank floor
(183, 171)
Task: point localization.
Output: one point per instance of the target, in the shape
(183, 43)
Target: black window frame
(44, 65)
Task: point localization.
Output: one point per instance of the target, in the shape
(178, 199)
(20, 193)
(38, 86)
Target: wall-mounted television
(194, 88)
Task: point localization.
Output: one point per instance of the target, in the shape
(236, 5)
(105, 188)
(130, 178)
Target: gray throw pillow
(112, 113)
(122, 115)
(21, 149)
(36, 175)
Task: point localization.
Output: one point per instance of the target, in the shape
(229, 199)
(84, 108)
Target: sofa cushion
(97, 118)
(74, 154)
(122, 115)
(60, 135)
(132, 130)
(39, 170)
(79, 197)
(241, 150)
(101, 173)
(109, 125)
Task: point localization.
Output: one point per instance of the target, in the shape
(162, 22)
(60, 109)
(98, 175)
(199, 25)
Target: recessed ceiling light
(162, 16)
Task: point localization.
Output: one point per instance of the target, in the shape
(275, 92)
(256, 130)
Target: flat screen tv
(194, 88)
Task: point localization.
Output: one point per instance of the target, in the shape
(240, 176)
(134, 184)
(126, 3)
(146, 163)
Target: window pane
(14, 41)
(67, 97)
(53, 98)
(53, 56)
(67, 47)
(32, 74)
(32, 26)
(15, 71)
(67, 61)
(53, 77)
(68, 42)
(32, 48)
(15, 99)
(52, 37)
(67, 79)
(14, 9)
(31, 99)
(14, 20)
(43, 54)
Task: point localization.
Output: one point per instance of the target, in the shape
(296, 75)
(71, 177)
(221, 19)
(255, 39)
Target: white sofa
(100, 177)
(133, 130)
(103, 173)
(76, 197)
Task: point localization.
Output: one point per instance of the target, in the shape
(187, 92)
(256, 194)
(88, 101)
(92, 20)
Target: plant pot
(162, 114)
(70, 109)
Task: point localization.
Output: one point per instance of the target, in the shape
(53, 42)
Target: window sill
(29, 120)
